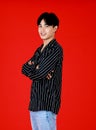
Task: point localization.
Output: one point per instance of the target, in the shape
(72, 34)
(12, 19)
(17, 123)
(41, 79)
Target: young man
(45, 70)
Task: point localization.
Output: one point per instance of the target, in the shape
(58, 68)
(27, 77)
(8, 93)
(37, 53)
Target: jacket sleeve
(46, 65)
(26, 68)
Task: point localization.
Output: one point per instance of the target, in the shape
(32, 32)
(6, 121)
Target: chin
(44, 38)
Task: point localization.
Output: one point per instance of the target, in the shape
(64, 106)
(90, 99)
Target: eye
(40, 26)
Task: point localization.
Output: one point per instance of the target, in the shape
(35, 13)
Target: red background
(18, 41)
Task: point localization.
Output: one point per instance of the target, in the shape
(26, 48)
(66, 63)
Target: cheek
(48, 31)
(39, 30)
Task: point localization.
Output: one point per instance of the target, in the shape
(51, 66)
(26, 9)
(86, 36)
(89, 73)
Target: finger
(32, 62)
(29, 63)
(49, 75)
(37, 67)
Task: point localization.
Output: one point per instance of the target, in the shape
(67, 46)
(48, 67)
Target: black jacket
(45, 93)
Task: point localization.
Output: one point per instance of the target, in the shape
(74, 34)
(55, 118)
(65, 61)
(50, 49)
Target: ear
(55, 28)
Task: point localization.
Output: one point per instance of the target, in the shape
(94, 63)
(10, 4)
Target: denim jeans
(43, 120)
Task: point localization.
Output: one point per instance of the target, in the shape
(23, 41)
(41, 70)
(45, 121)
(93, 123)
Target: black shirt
(45, 93)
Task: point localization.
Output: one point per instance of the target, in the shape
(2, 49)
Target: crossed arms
(44, 69)
(49, 75)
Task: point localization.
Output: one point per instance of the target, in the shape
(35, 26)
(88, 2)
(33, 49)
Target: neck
(46, 42)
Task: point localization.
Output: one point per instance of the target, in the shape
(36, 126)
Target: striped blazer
(45, 93)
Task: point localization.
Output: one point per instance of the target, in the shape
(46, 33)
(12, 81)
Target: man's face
(45, 31)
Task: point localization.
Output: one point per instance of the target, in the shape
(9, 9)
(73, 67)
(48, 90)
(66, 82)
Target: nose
(43, 29)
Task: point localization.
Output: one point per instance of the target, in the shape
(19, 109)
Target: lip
(43, 34)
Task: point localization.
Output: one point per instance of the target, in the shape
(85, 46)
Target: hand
(49, 76)
(31, 62)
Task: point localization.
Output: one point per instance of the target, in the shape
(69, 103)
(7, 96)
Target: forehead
(43, 21)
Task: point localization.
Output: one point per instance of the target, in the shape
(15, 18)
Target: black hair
(49, 18)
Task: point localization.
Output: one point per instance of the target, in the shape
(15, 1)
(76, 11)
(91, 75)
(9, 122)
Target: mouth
(43, 34)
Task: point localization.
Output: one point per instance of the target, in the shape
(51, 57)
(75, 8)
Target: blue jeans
(43, 120)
